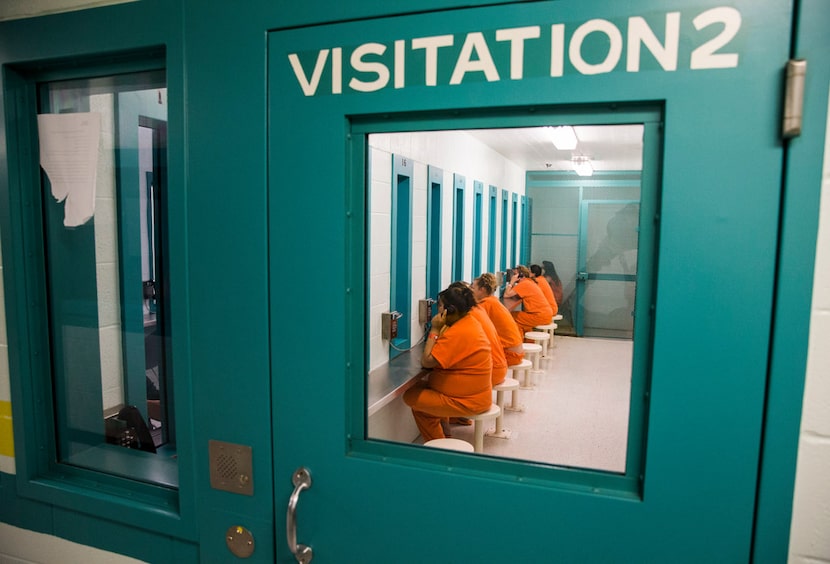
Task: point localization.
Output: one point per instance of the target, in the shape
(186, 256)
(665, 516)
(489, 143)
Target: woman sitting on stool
(511, 340)
(458, 353)
(535, 308)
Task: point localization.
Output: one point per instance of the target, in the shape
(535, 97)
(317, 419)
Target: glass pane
(611, 266)
(573, 409)
(103, 145)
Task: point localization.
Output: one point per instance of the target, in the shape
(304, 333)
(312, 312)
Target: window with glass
(582, 406)
(103, 157)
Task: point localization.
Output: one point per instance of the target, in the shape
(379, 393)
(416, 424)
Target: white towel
(69, 155)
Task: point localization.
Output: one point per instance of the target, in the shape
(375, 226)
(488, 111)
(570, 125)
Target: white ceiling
(610, 147)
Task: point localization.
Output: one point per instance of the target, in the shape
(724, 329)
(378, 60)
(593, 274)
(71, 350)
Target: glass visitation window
(586, 400)
(103, 156)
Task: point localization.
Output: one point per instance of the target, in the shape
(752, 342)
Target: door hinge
(794, 98)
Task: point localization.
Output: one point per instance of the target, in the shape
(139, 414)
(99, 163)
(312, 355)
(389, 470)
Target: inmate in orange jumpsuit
(535, 308)
(499, 361)
(548, 292)
(460, 385)
(511, 339)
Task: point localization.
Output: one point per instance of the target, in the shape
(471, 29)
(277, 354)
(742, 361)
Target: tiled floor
(577, 415)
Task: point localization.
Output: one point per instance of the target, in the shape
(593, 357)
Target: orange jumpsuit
(460, 385)
(499, 360)
(548, 292)
(535, 308)
(511, 339)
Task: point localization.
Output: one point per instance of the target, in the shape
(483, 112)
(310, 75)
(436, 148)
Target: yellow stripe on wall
(6, 436)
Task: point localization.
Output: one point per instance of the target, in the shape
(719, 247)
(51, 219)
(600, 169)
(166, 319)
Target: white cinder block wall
(810, 527)
(452, 152)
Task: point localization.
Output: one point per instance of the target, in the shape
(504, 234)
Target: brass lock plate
(240, 541)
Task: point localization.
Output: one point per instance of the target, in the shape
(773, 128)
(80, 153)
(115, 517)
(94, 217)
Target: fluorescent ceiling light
(582, 166)
(563, 137)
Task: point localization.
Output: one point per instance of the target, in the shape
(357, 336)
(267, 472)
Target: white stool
(549, 328)
(450, 444)
(556, 318)
(532, 352)
(540, 338)
(479, 420)
(512, 386)
(523, 369)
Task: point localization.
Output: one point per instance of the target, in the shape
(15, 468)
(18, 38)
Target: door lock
(240, 541)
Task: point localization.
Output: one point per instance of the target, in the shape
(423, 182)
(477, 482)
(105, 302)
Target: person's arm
(427, 360)
(510, 289)
(438, 324)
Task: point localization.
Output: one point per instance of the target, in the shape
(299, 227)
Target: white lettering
(337, 70)
(557, 49)
(639, 31)
(309, 86)
(704, 57)
(614, 50)
(474, 42)
(373, 71)
(400, 68)
(517, 37)
(430, 46)
(360, 65)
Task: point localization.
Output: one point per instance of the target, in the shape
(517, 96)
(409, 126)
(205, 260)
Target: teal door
(711, 78)
(606, 279)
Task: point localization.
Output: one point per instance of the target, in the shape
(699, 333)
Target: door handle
(301, 480)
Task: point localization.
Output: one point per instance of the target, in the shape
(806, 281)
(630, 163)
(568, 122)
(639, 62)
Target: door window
(388, 377)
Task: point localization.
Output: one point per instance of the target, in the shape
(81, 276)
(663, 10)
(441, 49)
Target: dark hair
(457, 298)
(536, 269)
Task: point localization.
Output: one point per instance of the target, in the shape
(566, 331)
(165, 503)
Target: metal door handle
(301, 480)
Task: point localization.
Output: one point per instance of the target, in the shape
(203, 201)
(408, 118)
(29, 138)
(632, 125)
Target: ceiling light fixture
(563, 137)
(582, 165)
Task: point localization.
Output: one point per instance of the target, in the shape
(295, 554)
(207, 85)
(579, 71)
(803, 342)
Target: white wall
(810, 527)
(455, 153)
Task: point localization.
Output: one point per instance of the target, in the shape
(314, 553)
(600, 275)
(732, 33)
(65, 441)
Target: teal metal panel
(478, 221)
(527, 227)
(458, 211)
(514, 221)
(122, 39)
(492, 209)
(794, 282)
(434, 243)
(714, 434)
(503, 228)
(401, 269)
